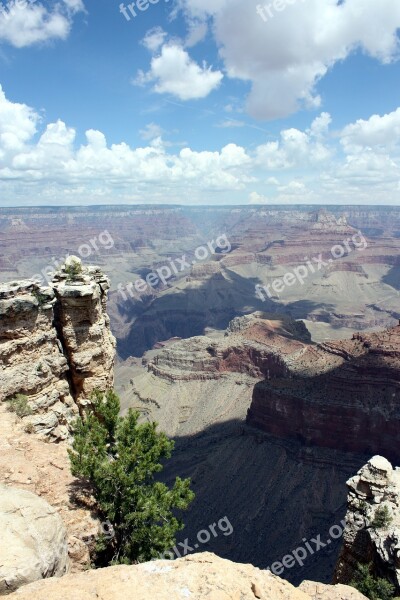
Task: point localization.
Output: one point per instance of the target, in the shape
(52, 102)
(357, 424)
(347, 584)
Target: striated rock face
(34, 540)
(343, 395)
(84, 329)
(195, 577)
(196, 382)
(32, 361)
(375, 487)
(55, 347)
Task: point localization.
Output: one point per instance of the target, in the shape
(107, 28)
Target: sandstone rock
(81, 315)
(31, 361)
(28, 462)
(319, 591)
(197, 577)
(51, 338)
(34, 540)
(376, 486)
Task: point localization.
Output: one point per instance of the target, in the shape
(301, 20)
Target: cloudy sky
(199, 102)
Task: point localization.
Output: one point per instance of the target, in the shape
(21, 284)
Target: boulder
(196, 577)
(34, 540)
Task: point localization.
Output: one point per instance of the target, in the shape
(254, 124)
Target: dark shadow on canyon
(188, 313)
(275, 493)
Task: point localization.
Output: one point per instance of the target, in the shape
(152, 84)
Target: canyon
(274, 404)
(358, 291)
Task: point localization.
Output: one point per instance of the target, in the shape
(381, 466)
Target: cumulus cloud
(295, 148)
(376, 131)
(298, 166)
(174, 72)
(256, 198)
(25, 23)
(284, 58)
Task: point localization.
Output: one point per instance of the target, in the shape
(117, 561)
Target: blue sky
(200, 102)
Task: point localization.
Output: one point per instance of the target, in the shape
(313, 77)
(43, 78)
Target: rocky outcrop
(34, 540)
(320, 591)
(55, 347)
(196, 577)
(29, 462)
(84, 329)
(32, 361)
(189, 384)
(343, 395)
(372, 533)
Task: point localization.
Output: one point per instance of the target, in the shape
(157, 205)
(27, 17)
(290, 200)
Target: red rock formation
(350, 402)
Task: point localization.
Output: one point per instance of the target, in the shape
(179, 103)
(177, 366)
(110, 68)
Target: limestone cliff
(55, 346)
(369, 538)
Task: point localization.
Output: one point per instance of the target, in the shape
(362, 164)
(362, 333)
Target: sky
(199, 102)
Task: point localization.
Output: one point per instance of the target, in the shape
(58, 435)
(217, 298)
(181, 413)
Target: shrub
(73, 270)
(41, 298)
(382, 518)
(375, 588)
(19, 405)
(120, 458)
(29, 428)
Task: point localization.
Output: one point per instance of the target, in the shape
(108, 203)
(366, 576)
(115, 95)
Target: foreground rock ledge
(34, 540)
(200, 576)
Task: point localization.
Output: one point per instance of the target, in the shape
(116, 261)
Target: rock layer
(195, 577)
(343, 395)
(375, 487)
(32, 361)
(84, 328)
(55, 347)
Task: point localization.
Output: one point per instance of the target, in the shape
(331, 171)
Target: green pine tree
(120, 458)
(374, 588)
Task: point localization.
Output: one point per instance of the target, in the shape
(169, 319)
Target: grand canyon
(275, 399)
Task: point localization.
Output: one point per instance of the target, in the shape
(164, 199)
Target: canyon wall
(55, 347)
(343, 395)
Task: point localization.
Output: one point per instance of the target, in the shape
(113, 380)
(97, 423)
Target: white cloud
(197, 32)
(18, 125)
(256, 198)
(231, 123)
(376, 131)
(44, 162)
(24, 23)
(174, 72)
(154, 39)
(284, 58)
(295, 148)
(151, 131)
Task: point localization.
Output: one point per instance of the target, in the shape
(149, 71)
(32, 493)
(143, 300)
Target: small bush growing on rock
(363, 507)
(19, 405)
(382, 518)
(29, 428)
(120, 458)
(41, 298)
(73, 270)
(375, 588)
